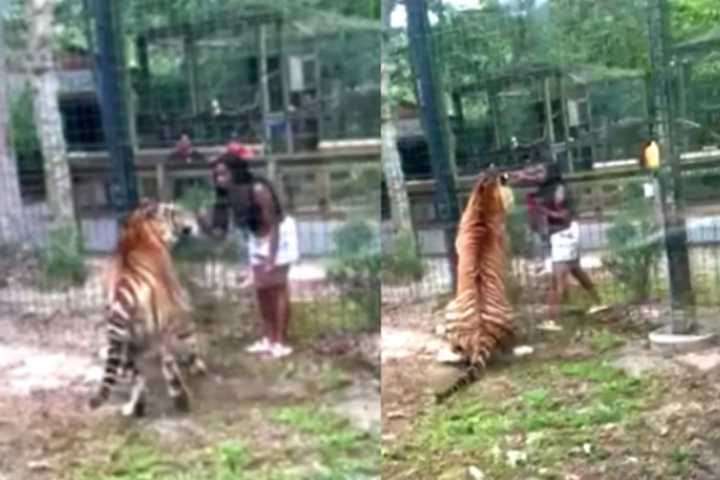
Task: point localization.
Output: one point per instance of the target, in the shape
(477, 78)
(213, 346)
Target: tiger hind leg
(135, 406)
(193, 361)
(177, 390)
(113, 363)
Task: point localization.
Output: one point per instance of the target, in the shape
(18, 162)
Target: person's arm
(530, 175)
(560, 212)
(215, 223)
(269, 217)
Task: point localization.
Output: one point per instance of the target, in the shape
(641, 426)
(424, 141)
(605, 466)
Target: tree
(40, 20)
(400, 204)
(10, 199)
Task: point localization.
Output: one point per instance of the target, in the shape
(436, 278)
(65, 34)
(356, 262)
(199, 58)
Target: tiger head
(162, 220)
(494, 194)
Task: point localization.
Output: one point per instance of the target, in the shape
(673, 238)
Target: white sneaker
(278, 350)
(448, 356)
(261, 346)
(597, 309)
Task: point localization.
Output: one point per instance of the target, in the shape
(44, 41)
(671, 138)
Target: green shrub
(402, 263)
(197, 197)
(62, 262)
(355, 266)
(634, 247)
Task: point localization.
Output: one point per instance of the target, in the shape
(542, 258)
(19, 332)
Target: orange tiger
(148, 308)
(477, 321)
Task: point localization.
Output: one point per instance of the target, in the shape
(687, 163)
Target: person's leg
(584, 279)
(557, 290)
(265, 302)
(282, 305)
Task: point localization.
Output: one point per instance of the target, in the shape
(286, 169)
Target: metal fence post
(435, 126)
(670, 176)
(113, 106)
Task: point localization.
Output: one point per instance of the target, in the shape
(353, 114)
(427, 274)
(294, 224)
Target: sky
(398, 17)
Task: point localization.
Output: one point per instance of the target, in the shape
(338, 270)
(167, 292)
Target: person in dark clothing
(564, 235)
(249, 202)
(552, 216)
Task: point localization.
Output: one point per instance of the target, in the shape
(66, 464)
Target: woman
(556, 204)
(251, 203)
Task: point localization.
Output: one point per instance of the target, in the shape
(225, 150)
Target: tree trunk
(10, 200)
(47, 112)
(392, 168)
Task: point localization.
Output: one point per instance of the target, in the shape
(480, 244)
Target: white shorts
(288, 248)
(564, 244)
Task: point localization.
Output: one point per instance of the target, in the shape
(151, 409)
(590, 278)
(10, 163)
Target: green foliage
(402, 263)
(349, 453)
(355, 266)
(634, 247)
(197, 198)
(62, 262)
(518, 232)
(23, 131)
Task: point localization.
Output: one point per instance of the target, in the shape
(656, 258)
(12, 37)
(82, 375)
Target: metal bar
(113, 106)
(669, 178)
(432, 109)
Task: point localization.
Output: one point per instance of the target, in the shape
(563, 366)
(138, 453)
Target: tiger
(477, 321)
(148, 311)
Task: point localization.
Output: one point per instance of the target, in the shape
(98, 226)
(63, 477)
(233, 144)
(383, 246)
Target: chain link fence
(164, 85)
(526, 82)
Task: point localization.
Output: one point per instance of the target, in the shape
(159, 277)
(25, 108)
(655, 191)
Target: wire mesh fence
(88, 88)
(577, 83)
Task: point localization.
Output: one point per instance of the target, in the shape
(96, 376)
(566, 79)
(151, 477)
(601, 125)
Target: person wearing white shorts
(564, 242)
(250, 202)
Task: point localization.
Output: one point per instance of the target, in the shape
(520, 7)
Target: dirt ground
(252, 417)
(590, 403)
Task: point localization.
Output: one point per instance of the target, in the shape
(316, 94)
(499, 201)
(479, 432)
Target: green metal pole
(669, 178)
(434, 121)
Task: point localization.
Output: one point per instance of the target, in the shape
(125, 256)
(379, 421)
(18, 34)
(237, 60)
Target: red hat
(240, 151)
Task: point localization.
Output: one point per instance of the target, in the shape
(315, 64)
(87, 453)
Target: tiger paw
(131, 409)
(95, 402)
(182, 403)
(198, 368)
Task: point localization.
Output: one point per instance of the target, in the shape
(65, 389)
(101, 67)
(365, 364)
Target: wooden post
(289, 141)
(190, 61)
(161, 178)
(549, 116)
(566, 126)
(264, 89)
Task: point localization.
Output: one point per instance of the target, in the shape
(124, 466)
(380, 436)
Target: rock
(704, 361)
(474, 473)
(638, 363)
(515, 458)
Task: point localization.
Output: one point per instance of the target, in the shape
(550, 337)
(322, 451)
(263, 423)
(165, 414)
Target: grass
(316, 445)
(556, 411)
(344, 450)
(312, 319)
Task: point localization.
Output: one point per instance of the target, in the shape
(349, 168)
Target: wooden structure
(555, 120)
(306, 180)
(596, 192)
(277, 88)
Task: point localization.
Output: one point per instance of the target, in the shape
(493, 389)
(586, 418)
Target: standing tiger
(477, 321)
(148, 310)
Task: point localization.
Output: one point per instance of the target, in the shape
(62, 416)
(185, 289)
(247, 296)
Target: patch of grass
(557, 411)
(143, 459)
(318, 317)
(680, 461)
(62, 261)
(602, 340)
(344, 450)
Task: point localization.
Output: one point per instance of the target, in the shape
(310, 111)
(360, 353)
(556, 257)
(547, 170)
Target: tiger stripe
(146, 302)
(477, 321)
